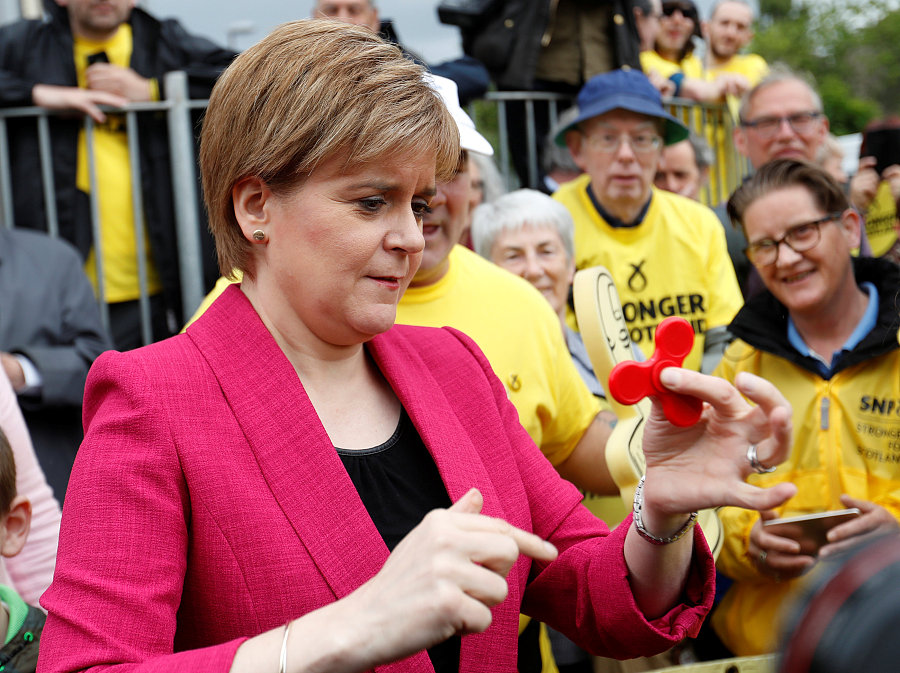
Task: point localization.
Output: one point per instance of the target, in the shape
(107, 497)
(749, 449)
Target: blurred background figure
(875, 188)
(552, 46)
(471, 77)
(50, 335)
(830, 157)
(83, 55)
(673, 48)
(684, 167)
(728, 30)
(559, 164)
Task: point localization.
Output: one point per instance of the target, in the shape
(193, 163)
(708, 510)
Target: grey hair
(778, 73)
(493, 187)
(703, 154)
(516, 210)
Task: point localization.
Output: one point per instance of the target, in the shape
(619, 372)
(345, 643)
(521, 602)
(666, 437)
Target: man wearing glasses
(666, 253)
(780, 117)
(824, 331)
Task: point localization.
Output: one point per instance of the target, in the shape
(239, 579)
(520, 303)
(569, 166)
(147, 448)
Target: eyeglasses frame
(776, 243)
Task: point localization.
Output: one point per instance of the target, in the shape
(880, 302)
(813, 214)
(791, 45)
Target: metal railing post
(184, 189)
(6, 198)
(96, 227)
(137, 195)
(43, 126)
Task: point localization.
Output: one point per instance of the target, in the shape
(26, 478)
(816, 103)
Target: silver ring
(762, 557)
(757, 466)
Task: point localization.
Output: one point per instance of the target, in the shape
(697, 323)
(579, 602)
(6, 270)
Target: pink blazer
(207, 505)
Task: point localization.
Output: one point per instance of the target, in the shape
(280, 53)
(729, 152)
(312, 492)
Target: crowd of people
(381, 440)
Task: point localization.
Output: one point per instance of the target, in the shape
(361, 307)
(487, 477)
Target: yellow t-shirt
(520, 336)
(675, 262)
(881, 220)
(113, 174)
(751, 66)
(690, 66)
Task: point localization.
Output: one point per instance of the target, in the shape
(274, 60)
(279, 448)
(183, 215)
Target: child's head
(15, 510)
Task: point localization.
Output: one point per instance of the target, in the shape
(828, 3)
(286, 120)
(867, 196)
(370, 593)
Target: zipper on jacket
(823, 416)
(551, 22)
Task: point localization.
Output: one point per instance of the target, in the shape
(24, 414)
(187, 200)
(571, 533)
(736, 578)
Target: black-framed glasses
(799, 238)
(687, 10)
(802, 123)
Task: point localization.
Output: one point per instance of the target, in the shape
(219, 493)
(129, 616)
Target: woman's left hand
(706, 465)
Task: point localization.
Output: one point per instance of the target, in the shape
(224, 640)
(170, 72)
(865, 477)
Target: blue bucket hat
(622, 90)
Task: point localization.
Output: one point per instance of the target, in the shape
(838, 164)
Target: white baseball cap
(469, 137)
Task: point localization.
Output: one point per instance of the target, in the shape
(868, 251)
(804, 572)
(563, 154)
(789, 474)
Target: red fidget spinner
(630, 382)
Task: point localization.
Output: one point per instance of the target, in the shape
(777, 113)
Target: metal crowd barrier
(713, 121)
(177, 108)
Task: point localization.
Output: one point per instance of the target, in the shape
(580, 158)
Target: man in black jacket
(471, 77)
(550, 45)
(85, 54)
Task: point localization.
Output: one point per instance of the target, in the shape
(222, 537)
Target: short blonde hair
(310, 90)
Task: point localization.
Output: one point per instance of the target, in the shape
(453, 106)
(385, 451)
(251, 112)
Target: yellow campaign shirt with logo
(521, 337)
(113, 173)
(846, 440)
(675, 262)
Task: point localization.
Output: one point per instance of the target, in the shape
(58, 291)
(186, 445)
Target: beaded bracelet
(647, 535)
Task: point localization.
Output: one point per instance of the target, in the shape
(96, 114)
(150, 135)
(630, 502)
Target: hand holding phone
(810, 530)
(884, 145)
(97, 57)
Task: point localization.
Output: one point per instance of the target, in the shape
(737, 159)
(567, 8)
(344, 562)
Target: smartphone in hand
(810, 530)
(97, 57)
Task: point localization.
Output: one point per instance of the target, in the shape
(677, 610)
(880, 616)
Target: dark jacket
(20, 654)
(762, 322)
(508, 40)
(40, 51)
(48, 313)
(471, 77)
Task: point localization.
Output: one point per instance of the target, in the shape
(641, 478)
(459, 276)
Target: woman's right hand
(442, 579)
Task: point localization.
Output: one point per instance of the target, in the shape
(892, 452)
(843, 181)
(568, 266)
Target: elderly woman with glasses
(296, 484)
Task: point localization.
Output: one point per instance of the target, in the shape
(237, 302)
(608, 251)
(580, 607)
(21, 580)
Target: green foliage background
(850, 48)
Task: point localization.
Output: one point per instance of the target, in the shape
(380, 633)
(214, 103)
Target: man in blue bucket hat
(666, 253)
